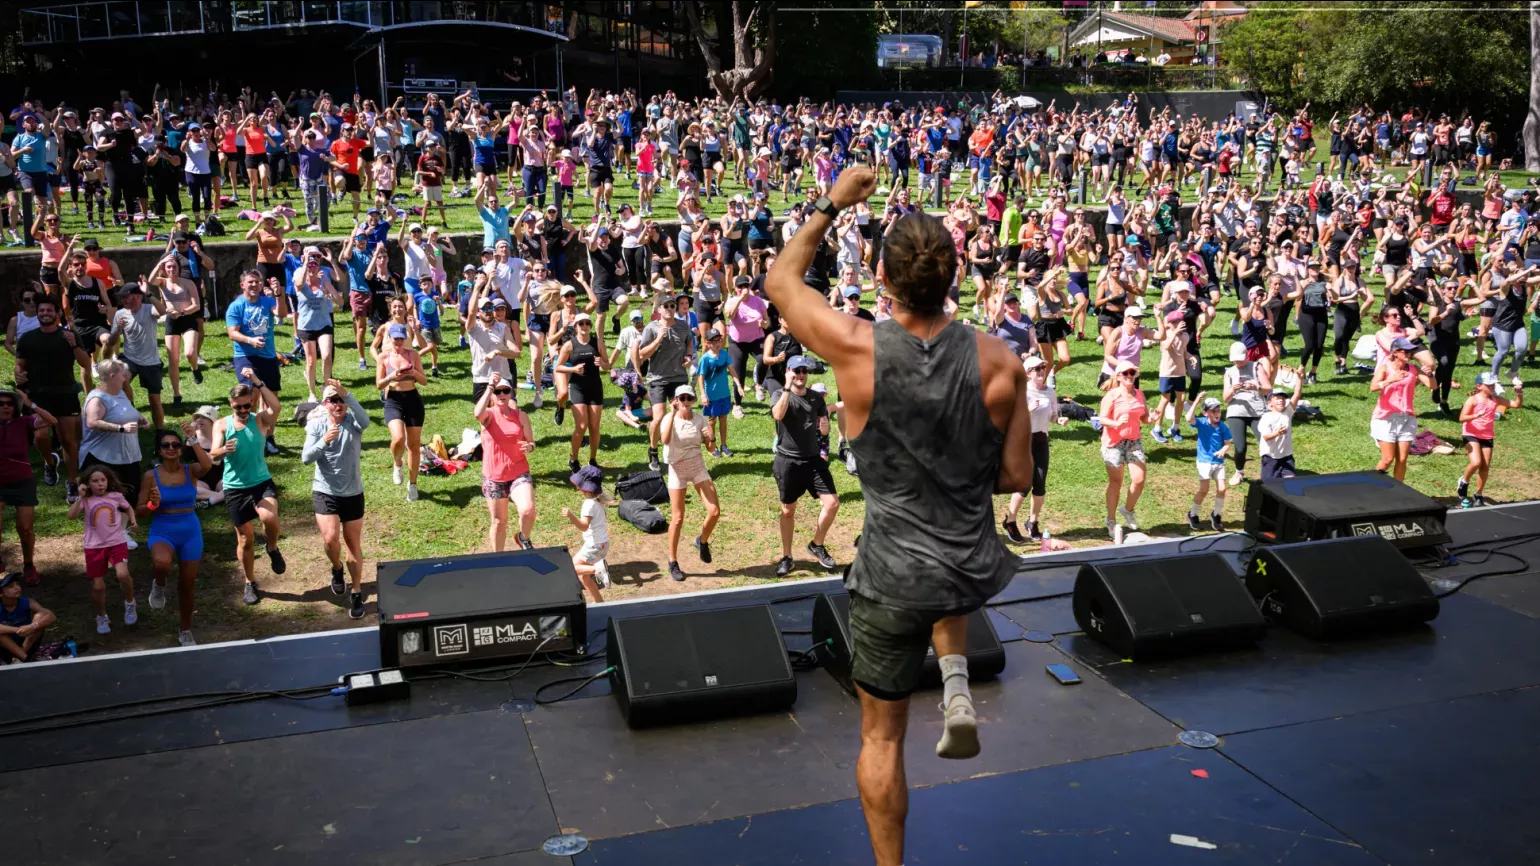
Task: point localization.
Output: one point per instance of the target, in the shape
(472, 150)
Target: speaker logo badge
(451, 640)
(711, 679)
(1390, 531)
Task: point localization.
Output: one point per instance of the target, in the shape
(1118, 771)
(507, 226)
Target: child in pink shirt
(104, 509)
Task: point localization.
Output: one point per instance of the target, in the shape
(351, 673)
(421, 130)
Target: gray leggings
(1506, 341)
(1238, 428)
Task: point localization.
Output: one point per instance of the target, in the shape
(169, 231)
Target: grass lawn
(451, 517)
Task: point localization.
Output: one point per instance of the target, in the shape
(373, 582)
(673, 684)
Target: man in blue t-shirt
(249, 320)
(1214, 440)
(30, 147)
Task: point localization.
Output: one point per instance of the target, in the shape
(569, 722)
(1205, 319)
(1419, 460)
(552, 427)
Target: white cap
(684, 391)
(1032, 363)
(1134, 312)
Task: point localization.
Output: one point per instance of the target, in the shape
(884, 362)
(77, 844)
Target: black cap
(181, 236)
(91, 244)
(129, 289)
(9, 578)
(742, 281)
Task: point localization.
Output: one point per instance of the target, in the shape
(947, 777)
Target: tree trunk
(751, 62)
(1532, 122)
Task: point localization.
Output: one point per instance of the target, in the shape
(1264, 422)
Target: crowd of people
(666, 319)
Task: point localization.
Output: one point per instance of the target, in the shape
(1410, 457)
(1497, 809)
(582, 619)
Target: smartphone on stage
(1063, 674)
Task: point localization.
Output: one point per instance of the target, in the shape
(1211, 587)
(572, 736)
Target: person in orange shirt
(980, 158)
(346, 179)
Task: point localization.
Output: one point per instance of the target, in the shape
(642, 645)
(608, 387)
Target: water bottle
(1047, 541)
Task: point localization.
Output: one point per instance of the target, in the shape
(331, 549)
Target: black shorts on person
(350, 182)
(255, 161)
(241, 502)
(58, 405)
(600, 174)
(795, 478)
(707, 312)
(88, 337)
(312, 336)
(1109, 318)
(579, 394)
(1051, 330)
(183, 324)
(1483, 443)
(267, 371)
(149, 375)
(405, 406)
(22, 494)
(889, 645)
(348, 508)
(662, 391)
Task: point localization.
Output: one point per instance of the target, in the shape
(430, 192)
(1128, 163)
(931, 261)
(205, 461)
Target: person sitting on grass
(592, 571)
(1214, 439)
(22, 620)
(100, 505)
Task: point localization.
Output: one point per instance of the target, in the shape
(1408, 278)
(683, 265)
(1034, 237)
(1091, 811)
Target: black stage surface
(1406, 749)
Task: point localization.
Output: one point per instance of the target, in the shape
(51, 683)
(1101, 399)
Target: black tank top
(1396, 251)
(585, 355)
(84, 298)
(934, 458)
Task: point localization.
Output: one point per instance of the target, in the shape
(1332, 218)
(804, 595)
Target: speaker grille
(1177, 594)
(702, 650)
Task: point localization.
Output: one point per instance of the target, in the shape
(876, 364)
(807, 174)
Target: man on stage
(936, 414)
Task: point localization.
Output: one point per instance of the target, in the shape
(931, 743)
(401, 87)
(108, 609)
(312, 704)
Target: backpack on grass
(642, 516)
(647, 487)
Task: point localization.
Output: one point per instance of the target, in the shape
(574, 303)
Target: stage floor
(1407, 749)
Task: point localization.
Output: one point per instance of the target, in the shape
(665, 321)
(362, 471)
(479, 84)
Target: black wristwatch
(826, 207)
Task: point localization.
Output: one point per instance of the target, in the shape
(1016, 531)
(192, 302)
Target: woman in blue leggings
(169, 494)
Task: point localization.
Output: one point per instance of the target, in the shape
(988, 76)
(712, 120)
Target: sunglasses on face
(170, 444)
(685, 399)
(5, 403)
(1127, 373)
(29, 299)
(502, 392)
(241, 407)
(336, 401)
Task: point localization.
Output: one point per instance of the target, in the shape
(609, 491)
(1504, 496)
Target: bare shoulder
(1000, 372)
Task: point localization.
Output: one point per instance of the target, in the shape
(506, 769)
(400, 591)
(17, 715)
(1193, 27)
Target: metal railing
(117, 19)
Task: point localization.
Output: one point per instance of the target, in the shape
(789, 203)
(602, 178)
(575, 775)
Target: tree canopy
(1387, 55)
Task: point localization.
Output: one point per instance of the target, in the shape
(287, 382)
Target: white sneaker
(602, 574)
(411, 493)
(395, 475)
(1235, 478)
(131, 544)
(157, 596)
(1114, 531)
(978, 311)
(1052, 381)
(960, 736)
(130, 613)
(1128, 517)
(103, 625)
(362, 364)
(185, 638)
(538, 401)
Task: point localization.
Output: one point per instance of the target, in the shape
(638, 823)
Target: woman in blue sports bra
(168, 494)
